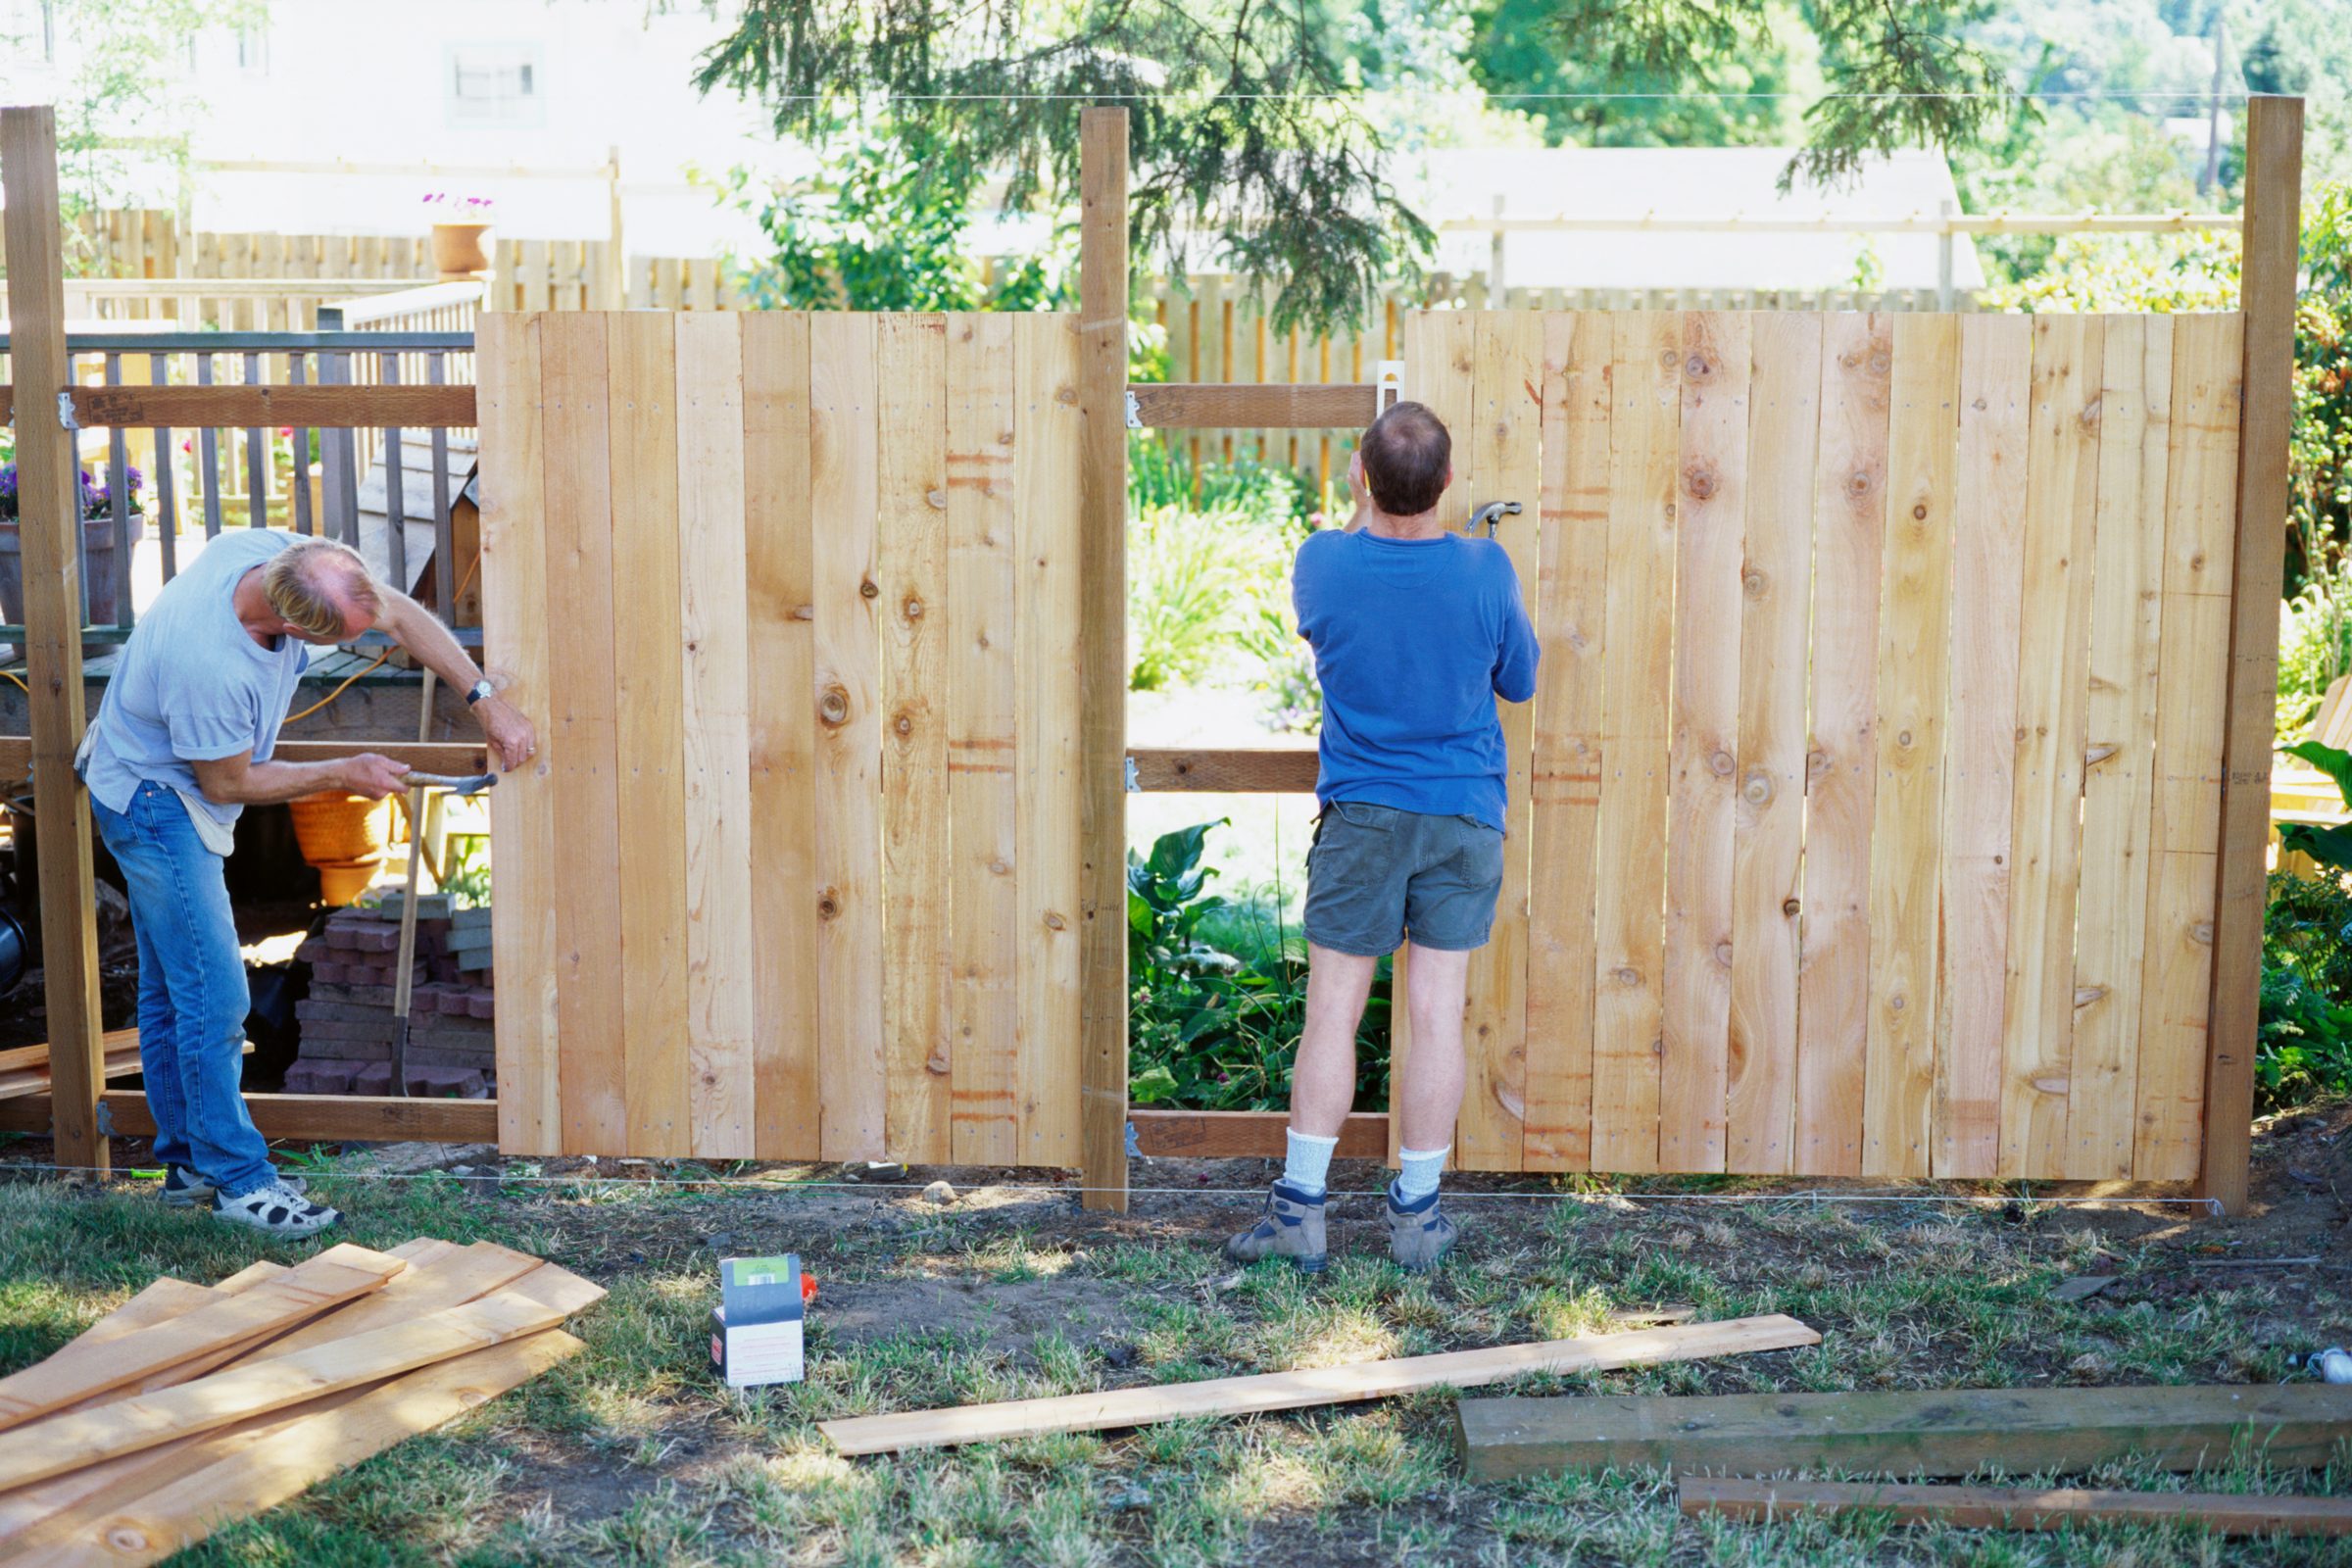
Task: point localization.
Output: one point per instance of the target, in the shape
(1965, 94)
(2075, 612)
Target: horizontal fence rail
(186, 433)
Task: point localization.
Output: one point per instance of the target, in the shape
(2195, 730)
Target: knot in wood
(1919, 510)
(1857, 483)
(1790, 906)
(938, 500)
(1698, 368)
(829, 905)
(1897, 1003)
(1816, 764)
(1067, 395)
(1881, 361)
(1757, 788)
(1699, 481)
(1626, 975)
(869, 589)
(803, 611)
(1902, 737)
(1753, 582)
(912, 609)
(1055, 922)
(904, 724)
(1723, 954)
(1669, 358)
(834, 706)
(999, 866)
(1721, 763)
(2201, 933)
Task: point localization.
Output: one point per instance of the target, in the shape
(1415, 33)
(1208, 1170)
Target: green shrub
(1210, 1028)
(2304, 1044)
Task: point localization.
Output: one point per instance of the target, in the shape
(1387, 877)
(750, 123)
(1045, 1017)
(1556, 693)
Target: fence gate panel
(794, 601)
(1865, 819)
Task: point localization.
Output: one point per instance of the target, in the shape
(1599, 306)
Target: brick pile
(347, 1023)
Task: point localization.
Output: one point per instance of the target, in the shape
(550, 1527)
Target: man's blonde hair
(300, 579)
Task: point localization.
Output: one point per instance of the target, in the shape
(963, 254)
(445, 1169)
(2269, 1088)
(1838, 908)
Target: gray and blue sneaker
(1419, 1232)
(184, 1189)
(276, 1209)
(1293, 1228)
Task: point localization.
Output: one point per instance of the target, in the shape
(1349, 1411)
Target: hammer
(456, 784)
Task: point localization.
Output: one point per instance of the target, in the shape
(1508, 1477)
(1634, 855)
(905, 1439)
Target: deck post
(50, 522)
(1102, 282)
(2267, 297)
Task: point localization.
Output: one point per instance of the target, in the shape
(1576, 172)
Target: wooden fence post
(50, 519)
(2267, 297)
(1103, 620)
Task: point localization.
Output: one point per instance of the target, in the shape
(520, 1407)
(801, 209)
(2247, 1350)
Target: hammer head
(472, 784)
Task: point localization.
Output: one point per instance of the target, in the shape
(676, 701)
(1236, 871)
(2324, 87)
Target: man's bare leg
(1427, 1098)
(1322, 1092)
(1323, 1079)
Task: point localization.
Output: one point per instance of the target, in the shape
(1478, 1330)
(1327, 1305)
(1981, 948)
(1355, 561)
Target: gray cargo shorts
(1377, 874)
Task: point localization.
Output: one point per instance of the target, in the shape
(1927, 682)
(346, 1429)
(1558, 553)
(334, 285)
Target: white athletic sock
(1418, 1176)
(1308, 1164)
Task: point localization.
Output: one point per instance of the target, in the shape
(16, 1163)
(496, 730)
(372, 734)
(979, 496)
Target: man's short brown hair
(1407, 455)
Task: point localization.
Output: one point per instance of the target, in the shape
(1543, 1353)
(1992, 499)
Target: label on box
(756, 1331)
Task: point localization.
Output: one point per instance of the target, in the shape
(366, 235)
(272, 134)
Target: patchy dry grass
(628, 1454)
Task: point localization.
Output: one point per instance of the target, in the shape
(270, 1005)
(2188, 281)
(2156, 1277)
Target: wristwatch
(479, 690)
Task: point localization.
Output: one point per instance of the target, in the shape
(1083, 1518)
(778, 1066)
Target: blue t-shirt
(1414, 639)
(191, 685)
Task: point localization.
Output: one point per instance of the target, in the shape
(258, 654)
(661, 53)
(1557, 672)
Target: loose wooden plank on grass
(1629, 857)
(1849, 523)
(1768, 826)
(982, 703)
(1907, 847)
(781, 604)
(335, 1275)
(2223, 1513)
(1291, 1390)
(1710, 535)
(515, 653)
(247, 1477)
(1996, 367)
(1564, 786)
(843, 480)
(912, 567)
(713, 616)
(1939, 1432)
(540, 1301)
(649, 766)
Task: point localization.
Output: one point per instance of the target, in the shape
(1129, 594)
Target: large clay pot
(344, 836)
(457, 249)
(98, 567)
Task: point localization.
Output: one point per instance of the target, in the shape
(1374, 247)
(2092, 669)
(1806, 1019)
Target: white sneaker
(276, 1209)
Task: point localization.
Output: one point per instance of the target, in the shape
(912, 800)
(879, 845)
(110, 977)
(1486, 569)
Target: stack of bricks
(348, 1027)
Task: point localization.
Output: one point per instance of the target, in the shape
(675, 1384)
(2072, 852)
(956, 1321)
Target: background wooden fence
(798, 597)
(1865, 820)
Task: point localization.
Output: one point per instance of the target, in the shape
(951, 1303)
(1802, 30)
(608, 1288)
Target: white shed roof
(1684, 183)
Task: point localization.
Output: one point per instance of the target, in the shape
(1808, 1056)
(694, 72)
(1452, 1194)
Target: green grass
(629, 1454)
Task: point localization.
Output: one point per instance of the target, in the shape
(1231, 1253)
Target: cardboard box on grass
(756, 1329)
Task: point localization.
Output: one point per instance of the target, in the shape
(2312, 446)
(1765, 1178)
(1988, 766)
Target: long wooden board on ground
(2225, 1513)
(1945, 1431)
(1291, 1390)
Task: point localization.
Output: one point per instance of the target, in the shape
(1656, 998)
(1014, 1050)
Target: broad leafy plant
(2304, 1048)
(1206, 1027)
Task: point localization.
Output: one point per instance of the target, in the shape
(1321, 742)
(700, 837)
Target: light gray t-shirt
(191, 686)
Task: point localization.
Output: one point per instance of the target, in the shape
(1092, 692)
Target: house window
(252, 50)
(495, 85)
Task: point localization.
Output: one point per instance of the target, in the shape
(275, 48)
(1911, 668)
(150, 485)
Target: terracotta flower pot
(338, 829)
(457, 249)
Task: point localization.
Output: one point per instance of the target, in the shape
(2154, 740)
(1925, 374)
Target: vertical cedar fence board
(798, 596)
(1865, 819)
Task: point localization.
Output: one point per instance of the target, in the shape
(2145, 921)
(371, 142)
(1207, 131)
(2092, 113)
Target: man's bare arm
(239, 780)
(419, 631)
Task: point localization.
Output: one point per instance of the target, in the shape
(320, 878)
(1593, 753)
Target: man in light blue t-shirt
(180, 745)
(1416, 632)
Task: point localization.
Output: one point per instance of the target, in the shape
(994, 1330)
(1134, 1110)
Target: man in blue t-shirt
(1416, 631)
(183, 743)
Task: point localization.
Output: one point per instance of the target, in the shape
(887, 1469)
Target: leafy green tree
(1250, 130)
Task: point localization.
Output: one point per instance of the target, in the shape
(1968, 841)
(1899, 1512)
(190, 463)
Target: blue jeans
(192, 992)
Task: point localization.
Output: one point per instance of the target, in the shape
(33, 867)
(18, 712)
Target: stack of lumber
(190, 1406)
(347, 1022)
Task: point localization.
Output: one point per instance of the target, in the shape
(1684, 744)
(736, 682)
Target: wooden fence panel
(731, 568)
